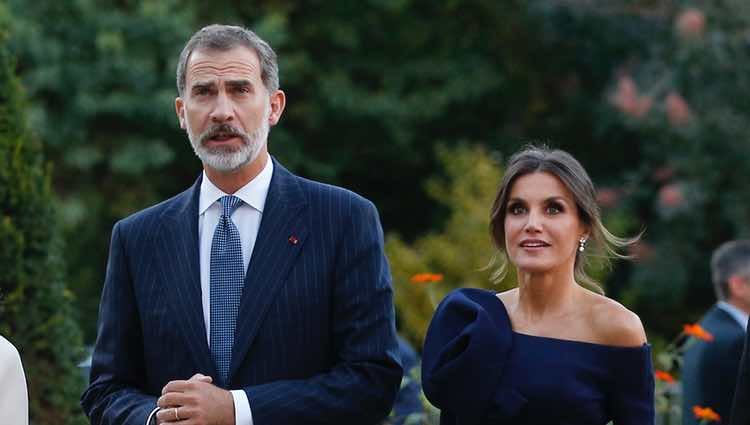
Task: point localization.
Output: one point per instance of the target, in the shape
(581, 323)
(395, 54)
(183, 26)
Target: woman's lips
(533, 245)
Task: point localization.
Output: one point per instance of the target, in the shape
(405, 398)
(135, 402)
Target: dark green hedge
(35, 307)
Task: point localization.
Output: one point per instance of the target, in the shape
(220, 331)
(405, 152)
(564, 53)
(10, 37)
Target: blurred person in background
(709, 371)
(549, 351)
(408, 405)
(255, 296)
(741, 404)
(14, 400)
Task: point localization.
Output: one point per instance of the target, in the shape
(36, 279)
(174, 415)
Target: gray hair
(227, 37)
(571, 173)
(730, 259)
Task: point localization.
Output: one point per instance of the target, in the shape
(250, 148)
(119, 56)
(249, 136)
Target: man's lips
(222, 137)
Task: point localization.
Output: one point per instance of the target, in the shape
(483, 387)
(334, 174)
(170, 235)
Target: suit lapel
(283, 230)
(178, 261)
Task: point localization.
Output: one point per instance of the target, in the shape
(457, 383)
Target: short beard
(228, 159)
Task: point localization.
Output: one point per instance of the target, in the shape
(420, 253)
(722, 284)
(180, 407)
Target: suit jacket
(315, 339)
(741, 405)
(14, 400)
(709, 371)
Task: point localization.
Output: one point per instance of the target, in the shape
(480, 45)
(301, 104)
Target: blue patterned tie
(227, 277)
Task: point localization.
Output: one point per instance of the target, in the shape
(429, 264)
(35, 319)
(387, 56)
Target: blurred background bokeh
(414, 104)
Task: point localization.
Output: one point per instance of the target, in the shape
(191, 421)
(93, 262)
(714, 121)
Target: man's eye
(201, 91)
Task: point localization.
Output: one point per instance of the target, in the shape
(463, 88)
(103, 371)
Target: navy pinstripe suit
(315, 340)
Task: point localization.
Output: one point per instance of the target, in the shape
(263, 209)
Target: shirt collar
(253, 193)
(740, 316)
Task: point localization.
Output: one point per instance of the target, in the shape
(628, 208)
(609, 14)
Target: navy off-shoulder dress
(478, 371)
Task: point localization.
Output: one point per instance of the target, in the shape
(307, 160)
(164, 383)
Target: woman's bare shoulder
(613, 324)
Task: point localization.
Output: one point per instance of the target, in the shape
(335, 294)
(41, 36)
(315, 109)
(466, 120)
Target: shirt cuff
(242, 413)
(151, 420)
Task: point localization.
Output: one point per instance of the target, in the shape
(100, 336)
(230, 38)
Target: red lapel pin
(293, 240)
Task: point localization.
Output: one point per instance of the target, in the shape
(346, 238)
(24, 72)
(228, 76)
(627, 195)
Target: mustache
(222, 129)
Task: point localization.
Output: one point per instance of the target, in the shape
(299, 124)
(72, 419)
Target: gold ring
(176, 416)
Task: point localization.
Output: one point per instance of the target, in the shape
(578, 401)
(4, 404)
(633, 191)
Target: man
(741, 405)
(709, 373)
(254, 297)
(407, 408)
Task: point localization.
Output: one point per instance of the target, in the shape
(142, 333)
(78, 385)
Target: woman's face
(542, 228)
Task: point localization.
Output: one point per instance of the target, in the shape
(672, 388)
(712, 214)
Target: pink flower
(627, 99)
(691, 24)
(607, 197)
(678, 110)
(671, 195)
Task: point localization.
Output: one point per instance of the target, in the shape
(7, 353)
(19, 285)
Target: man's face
(739, 292)
(225, 109)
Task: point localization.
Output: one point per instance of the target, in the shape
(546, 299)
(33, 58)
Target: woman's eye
(554, 209)
(516, 210)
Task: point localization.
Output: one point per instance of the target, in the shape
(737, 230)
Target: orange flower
(664, 376)
(706, 414)
(426, 278)
(697, 331)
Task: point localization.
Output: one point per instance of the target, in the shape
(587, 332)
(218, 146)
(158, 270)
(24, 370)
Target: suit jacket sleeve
(361, 386)
(741, 405)
(115, 394)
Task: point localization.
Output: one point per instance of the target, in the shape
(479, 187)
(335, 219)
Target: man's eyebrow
(239, 83)
(202, 84)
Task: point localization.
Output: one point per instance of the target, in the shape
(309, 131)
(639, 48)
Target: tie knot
(229, 204)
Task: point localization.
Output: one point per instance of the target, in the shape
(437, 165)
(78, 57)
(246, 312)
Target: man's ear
(179, 107)
(278, 102)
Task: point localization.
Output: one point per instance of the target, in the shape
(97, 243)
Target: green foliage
(35, 307)
(461, 251)
(101, 79)
(688, 187)
(373, 86)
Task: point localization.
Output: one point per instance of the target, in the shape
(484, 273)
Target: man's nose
(223, 110)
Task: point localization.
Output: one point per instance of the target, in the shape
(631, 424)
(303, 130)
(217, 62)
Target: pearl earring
(581, 244)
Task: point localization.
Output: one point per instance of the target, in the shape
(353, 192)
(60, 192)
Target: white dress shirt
(247, 219)
(740, 316)
(14, 401)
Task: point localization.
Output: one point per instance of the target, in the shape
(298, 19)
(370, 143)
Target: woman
(13, 397)
(549, 351)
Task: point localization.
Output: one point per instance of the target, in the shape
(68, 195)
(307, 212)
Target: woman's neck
(546, 294)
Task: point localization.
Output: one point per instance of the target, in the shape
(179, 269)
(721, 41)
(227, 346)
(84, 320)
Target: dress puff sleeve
(633, 387)
(465, 352)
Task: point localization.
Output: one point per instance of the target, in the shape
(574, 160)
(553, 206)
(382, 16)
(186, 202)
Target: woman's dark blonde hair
(571, 173)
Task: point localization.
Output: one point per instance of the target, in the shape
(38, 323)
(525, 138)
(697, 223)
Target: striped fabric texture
(314, 340)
